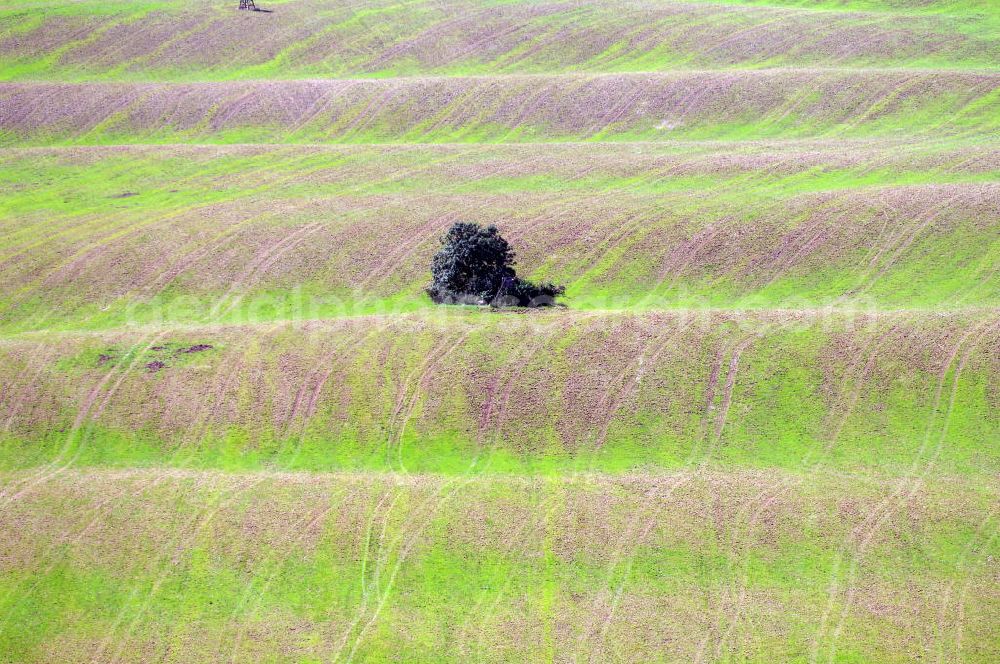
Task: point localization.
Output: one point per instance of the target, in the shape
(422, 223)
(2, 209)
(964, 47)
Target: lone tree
(476, 266)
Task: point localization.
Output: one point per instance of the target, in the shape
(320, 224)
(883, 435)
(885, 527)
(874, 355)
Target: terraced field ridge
(202, 40)
(564, 107)
(764, 427)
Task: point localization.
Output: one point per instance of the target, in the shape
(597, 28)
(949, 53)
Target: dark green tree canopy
(476, 266)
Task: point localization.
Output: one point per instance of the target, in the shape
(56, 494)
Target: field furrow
(203, 40)
(602, 390)
(651, 107)
(218, 237)
(204, 565)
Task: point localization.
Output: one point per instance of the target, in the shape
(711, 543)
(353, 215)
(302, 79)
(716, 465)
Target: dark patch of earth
(197, 348)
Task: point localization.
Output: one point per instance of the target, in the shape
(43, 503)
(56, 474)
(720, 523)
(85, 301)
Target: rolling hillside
(202, 40)
(764, 428)
(565, 107)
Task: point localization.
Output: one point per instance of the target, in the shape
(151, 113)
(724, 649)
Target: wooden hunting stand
(248, 5)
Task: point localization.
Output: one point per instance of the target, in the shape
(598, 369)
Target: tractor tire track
(862, 535)
(98, 512)
(199, 523)
(300, 529)
(86, 415)
(402, 417)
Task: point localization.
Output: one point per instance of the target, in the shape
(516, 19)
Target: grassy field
(466, 392)
(200, 40)
(756, 565)
(868, 225)
(788, 103)
(233, 428)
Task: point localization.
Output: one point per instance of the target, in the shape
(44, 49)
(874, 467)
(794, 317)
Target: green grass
(672, 191)
(762, 430)
(395, 400)
(701, 106)
(401, 39)
(308, 593)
